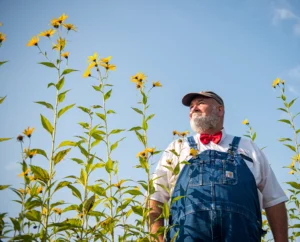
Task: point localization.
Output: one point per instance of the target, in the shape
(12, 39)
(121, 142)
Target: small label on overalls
(229, 174)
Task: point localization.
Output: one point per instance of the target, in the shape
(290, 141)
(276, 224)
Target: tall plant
(294, 167)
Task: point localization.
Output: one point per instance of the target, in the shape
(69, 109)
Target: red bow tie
(206, 138)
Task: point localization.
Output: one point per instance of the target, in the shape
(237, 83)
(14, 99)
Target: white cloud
(293, 90)
(297, 29)
(12, 166)
(283, 14)
(295, 72)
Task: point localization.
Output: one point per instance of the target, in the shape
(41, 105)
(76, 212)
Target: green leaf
(138, 110)
(46, 124)
(47, 105)
(150, 117)
(145, 125)
(115, 145)
(134, 192)
(70, 208)
(283, 97)
(174, 152)
(2, 99)
(83, 177)
(137, 210)
(84, 109)
(116, 131)
(292, 102)
(109, 166)
(166, 210)
(97, 88)
(297, 131)
(100, 191)
(84, 125)
(107, 95)
(176, 199)
(135, 128)
(83, 151)
(111, 111)
(282, 109)
(62, 184)
(30, 204)
(291, 147)
(33, 215)
(102, 116)
(144, 98)
(16, 224)
(284, 139)
(67, 71)
(65, 109)
(89, 203)
(39, 173)
(295, 226)
(176, 169)
(253, 136)
(51, 84)
(294, 185)
(41, 152)
(60, 83)
(60, 155)
(62, 95)
(78, 161)
(4, 139)
(98, 106)
(141, 137)
(49, 64)
(2, 62)
(3, 187)
(285, 121)
(66, 143)
(75, 191)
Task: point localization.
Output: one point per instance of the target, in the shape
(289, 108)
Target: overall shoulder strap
(234, 144)
(192, 142)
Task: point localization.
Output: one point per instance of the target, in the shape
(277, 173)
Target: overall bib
(220, 200)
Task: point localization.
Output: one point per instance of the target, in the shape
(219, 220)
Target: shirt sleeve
(161, 176)
(267, 183)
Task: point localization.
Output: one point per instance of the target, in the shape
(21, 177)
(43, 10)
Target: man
(224, 185)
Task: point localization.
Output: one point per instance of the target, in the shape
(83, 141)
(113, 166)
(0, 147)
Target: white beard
(201, 124)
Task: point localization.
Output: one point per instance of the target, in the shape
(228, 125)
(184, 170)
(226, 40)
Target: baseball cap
(187, 99)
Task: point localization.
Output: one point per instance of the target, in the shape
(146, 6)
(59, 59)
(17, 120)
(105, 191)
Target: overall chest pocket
(199, 174)
(213, 172)
(229, 172)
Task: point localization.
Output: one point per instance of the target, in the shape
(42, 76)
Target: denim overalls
(220, 200)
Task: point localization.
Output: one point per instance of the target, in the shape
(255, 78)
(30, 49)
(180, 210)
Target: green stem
(51, 164)
(107, 145)
(85, 216)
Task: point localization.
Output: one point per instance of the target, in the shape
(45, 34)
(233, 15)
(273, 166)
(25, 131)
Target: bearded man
(223, 184)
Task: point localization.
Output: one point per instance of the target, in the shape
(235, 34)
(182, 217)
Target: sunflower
(2, 37)
(70, 27)
(156, 84)
(28, 132)
(48, 33)
(108, 66)
(65, 55)
(34, 41)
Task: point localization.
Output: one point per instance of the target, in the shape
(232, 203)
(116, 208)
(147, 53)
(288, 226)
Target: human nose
(193, 110)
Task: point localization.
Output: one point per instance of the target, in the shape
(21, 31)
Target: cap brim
(188, 98)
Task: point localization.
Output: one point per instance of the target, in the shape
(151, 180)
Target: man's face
(205, 114)
(202, 106)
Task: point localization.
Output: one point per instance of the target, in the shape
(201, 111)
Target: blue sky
(235, 48)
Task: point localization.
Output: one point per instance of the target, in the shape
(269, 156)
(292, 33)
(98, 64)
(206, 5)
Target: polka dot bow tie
(206, 138)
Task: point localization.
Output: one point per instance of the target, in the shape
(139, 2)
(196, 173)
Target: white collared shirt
(269, 191)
